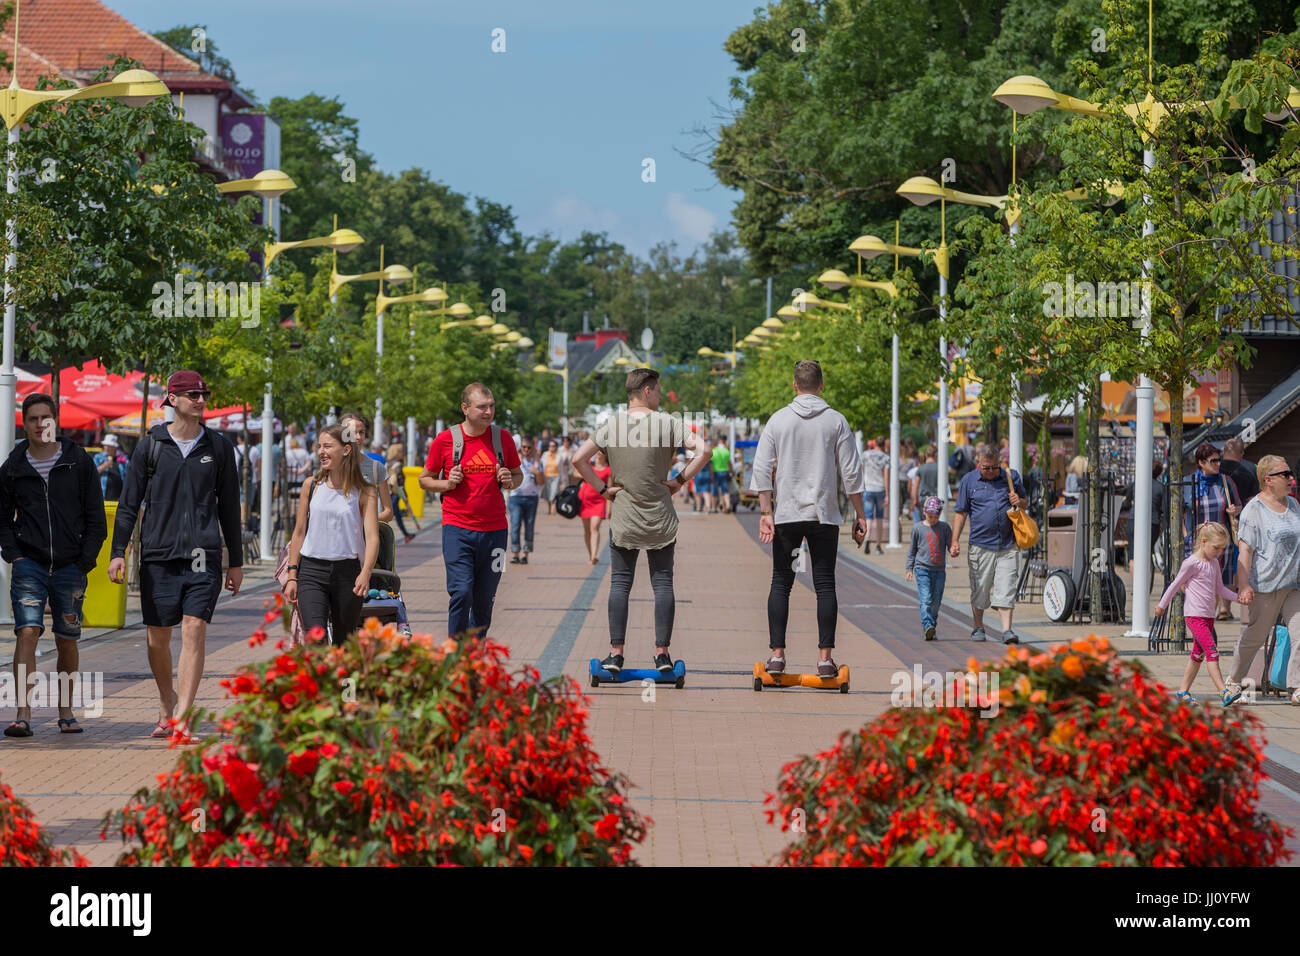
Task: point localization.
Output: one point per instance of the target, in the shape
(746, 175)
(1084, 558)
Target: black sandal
(13, 730)
(70, 726)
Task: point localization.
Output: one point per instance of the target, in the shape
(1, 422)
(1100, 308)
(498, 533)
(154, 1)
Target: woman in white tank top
(335, 540)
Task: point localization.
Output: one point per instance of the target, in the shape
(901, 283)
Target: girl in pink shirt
(1201, 581)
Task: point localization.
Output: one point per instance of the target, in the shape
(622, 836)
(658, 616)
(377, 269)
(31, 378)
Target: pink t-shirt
(1201, 580)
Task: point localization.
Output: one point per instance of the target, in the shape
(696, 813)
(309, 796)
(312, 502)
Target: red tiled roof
(76, 38)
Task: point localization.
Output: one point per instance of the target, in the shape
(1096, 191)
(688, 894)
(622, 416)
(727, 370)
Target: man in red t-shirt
(474, 523)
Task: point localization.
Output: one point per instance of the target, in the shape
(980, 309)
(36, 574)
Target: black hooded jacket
(193, 501)
(57, 524)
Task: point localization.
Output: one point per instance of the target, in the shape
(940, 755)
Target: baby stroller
(385, 598)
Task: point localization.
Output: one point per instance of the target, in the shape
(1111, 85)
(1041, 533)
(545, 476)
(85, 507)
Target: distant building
(75, 39)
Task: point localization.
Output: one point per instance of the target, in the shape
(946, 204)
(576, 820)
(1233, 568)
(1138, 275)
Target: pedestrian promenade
(700, 759)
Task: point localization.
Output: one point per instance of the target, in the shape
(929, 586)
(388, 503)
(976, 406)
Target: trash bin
(414, 493)
(105, 603)
(1061, 528)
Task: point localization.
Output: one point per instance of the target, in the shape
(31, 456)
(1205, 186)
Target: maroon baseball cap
(186, 380)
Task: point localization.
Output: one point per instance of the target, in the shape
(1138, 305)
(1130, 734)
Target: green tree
(131, 210)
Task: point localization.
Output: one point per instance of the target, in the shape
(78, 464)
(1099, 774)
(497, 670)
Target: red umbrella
(108, 396)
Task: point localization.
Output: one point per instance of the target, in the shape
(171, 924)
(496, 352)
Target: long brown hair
(348, 475)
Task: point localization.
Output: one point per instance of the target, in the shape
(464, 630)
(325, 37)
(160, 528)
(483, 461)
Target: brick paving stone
(701, 759)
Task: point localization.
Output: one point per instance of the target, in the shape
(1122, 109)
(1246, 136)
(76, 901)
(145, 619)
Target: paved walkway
(701, 759)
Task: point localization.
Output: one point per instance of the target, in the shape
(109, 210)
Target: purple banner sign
(243, 142)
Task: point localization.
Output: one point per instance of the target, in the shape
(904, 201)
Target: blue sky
(557, 126)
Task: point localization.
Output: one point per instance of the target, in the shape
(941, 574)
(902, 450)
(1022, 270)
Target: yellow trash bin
(414, 493)
(105, 603)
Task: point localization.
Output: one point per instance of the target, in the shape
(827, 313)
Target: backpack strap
(457, 444)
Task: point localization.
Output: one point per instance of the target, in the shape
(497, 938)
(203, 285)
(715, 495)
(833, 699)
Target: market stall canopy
(1035, 407)
(130, 424)
(232, 420)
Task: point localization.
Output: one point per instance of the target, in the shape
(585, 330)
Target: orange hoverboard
(763, 679)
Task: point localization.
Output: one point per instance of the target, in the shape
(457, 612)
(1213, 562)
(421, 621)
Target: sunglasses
(194, 396)
(1281, 474)
(1213, 461)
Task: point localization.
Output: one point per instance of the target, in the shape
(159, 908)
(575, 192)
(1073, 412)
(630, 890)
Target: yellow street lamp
(269, 183)
(808, 300)
(340, 240)
(482, 321)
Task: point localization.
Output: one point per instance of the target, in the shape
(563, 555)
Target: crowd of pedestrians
(181, 485)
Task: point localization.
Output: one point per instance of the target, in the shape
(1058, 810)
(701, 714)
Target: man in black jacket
(51, 528)
(186, 475)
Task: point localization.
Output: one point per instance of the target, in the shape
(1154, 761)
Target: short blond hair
(1212, 532)
(1269, 464)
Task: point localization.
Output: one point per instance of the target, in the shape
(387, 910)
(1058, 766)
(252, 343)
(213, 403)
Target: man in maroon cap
(187, 475)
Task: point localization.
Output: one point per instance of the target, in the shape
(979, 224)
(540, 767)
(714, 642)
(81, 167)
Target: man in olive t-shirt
(641, 446)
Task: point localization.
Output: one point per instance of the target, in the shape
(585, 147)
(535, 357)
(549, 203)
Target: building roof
(1282, 230)
(1280, 401)
(77, 38)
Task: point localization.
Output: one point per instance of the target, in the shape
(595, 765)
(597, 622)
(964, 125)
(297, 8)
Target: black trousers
(823, 546)
(622, 569)
(325, 595)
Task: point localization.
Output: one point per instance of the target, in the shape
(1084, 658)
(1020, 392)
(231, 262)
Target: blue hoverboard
(676, 676)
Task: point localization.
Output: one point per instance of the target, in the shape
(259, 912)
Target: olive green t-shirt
(641, 449)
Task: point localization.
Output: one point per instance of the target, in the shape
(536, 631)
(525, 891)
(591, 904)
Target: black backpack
(567, 502)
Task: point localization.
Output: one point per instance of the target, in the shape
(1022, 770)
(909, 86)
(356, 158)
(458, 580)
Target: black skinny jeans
(325, 595)
(823, 546)
(622, 569)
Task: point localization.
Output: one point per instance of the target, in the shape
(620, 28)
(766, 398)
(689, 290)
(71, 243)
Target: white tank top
(334, 526)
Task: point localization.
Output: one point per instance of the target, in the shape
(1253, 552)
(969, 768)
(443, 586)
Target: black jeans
(622, 569)
(823, 547)
(325, 595)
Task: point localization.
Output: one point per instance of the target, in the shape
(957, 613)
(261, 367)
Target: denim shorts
(172, 589)
(721, 482)
(31, 585)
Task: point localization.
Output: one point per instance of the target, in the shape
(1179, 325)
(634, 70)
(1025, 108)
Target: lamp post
(382, 302)
(564, 377)
(1028, 94)
(340, 240)
(835, 280)
(921, 191)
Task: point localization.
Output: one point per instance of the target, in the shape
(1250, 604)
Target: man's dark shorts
(171, 589)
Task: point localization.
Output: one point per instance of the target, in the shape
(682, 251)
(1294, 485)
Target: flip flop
(13, 730)
(161, 729)
(70, 726)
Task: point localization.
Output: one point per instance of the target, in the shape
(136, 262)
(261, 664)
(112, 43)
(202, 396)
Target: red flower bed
(1087, 762)
(23, 842)
(387, 750)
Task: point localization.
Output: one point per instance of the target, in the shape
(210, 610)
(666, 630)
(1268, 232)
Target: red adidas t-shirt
(476, 504)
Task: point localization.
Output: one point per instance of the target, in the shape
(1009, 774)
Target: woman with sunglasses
(1212, 496)
(1268, 571)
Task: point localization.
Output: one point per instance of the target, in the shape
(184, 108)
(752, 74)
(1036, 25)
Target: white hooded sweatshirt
(807, 444)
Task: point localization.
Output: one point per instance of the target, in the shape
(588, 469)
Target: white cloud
(572, 212)
(694, 222)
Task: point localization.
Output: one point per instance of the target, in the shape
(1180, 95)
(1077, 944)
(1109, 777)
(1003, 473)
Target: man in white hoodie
(802, 449)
